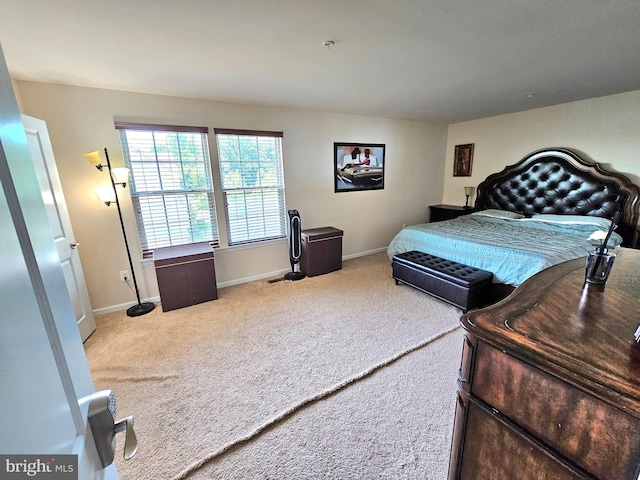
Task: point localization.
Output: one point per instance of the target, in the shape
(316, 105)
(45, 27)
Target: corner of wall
(16, 92)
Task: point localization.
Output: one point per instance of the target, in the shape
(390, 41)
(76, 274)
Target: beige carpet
(344, 375)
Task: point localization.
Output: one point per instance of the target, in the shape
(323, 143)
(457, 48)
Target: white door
(46, 385)
(51, 188)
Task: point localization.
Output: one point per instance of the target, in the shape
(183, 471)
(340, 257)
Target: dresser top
(582, 332)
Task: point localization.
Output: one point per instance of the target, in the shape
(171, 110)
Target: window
(171, 184)
(252, 184)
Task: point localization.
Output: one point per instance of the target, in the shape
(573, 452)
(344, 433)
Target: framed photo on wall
(462, 160)
(358, 166)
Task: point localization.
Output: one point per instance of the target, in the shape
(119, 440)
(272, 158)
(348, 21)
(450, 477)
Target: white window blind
(171, 184)
(252, 184)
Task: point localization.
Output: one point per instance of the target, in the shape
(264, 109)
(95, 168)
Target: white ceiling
(434, 60)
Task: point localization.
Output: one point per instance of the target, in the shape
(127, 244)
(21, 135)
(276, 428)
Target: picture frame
(463, 160)
(358, 166)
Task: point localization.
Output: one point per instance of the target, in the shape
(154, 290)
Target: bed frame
(559, 181)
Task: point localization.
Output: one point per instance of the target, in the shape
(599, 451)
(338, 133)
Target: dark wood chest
(321, 250)
(186, 275)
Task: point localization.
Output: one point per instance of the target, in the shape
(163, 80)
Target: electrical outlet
(124, 275)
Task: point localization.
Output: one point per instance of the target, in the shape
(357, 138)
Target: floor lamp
(119, 176)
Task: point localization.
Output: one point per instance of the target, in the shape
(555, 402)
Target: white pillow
(498, 214)
(603, 223)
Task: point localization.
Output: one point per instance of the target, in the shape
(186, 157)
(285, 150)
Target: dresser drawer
(499, 451)
(591, 433)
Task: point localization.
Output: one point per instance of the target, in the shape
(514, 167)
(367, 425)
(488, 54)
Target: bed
(534, 214)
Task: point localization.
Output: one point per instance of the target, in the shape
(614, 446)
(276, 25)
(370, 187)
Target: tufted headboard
(559, 181)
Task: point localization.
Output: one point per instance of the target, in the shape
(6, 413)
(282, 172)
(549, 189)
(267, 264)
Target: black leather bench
(460, 285)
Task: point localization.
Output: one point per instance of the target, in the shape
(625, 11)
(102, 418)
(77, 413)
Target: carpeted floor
(344, 375)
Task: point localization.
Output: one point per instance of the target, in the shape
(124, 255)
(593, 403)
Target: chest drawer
(598, 437)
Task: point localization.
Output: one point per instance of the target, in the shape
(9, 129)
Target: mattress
(512, 249)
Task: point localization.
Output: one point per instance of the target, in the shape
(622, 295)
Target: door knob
(102, 419)
(74, 245)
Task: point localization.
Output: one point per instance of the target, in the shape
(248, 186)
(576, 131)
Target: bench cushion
(461, 285)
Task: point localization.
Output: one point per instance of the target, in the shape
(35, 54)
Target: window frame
(279, 205)
(136, 195)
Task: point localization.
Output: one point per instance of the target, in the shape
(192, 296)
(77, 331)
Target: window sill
(148, 260)
(247, 246)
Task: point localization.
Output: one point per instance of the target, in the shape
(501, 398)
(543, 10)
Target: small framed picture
(358, 166)
(463, 160)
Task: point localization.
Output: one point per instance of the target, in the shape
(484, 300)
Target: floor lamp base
(140, 309)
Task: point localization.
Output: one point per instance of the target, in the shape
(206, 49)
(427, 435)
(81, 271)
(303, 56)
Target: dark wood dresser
(549, 383)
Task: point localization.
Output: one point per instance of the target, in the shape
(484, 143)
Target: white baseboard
(362, 254)
(230, 283)
(262, 276)
(280, 273)
(123, 306)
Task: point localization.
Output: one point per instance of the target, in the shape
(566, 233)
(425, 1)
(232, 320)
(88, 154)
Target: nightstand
(438, 213)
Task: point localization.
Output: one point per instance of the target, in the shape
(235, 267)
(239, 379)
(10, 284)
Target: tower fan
(295, 246)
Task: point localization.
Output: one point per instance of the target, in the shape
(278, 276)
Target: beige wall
(606, 130)
(81, 120)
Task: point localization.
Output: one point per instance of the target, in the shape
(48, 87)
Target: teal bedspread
(513, 250)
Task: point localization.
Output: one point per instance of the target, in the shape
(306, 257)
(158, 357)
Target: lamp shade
(93, 158)
(468, 190)
(106, 194)
(120, 174)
